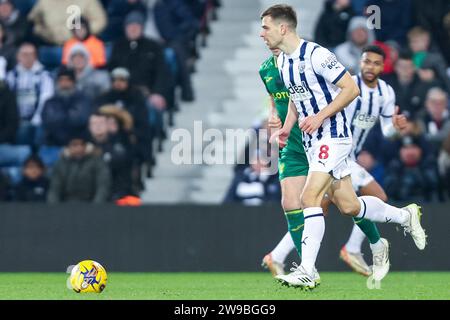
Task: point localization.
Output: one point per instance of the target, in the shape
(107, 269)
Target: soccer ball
(88, 276)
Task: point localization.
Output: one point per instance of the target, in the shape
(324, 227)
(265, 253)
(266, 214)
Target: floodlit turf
(210, 286)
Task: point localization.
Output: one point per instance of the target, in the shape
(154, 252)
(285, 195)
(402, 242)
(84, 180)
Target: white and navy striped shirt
(371, 104)
(32, 87)
(310, 74)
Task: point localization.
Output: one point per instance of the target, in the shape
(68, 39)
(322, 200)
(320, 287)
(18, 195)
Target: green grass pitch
(210, 286)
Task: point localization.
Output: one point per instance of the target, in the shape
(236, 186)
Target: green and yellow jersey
(293, 161)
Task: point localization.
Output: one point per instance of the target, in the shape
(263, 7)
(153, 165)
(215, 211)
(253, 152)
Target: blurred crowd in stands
(415, 36)
(87, 90)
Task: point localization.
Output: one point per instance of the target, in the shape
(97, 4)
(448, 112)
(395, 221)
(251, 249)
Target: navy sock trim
(364, 214)
(314, 215)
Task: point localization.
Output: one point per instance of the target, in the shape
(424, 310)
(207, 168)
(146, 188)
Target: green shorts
(292, 164)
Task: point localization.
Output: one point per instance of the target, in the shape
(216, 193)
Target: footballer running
(320, 88)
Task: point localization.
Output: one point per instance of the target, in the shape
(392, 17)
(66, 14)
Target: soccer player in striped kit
(320, 88)
(376, 101)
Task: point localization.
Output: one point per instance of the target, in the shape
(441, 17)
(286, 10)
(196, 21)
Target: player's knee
(309, 200)
(290, 203)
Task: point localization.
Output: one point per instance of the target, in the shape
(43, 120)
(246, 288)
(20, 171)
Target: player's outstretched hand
(311, 124)
(399, 120)
(280, 136)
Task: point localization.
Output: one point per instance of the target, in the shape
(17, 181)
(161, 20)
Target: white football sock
(377, 246)
(355, 241)
(312, 237)
(375, 210)
(283, 248)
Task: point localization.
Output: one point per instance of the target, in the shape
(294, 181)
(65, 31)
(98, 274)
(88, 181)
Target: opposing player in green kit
(292, 167)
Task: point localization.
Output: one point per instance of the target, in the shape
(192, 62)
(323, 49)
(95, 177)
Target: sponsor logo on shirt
(330, 62)
(364, 121)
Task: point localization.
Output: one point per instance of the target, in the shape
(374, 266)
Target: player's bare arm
(291, 119)
(274, 121)
(349, 91)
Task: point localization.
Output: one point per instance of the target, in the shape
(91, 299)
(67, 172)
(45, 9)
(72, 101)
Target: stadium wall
(41, 238)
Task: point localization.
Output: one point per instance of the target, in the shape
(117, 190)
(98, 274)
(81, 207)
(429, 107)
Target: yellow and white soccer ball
(88, 276)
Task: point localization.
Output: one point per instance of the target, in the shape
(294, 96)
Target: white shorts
(330, 156)
(360, 176)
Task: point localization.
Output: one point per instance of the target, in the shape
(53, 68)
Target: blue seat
(50, 56)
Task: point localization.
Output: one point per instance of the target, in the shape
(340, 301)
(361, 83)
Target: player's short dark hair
(374, 49)
(282, 12)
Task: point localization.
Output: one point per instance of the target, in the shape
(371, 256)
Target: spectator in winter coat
(9, 116)
(92, 82)
(94, 46)
(80, 175)
(358, 37)
(435, 122)
(8, 51)
(396, 18)
(410, 90)
(124, 96)
(16, 26)
(419, 42)
(115, 147)
(331, 28)
(435, 15)
(178, 27)
(67, 112)
(144, 59)
(34, 184)
(254, 185)
(413, 171)
(117, 10)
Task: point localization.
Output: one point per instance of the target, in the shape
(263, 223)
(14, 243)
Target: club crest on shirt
(301, 67)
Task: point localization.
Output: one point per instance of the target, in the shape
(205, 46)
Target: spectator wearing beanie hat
(144, 59)
(358, 37)
(93, 82)
(117, 12)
